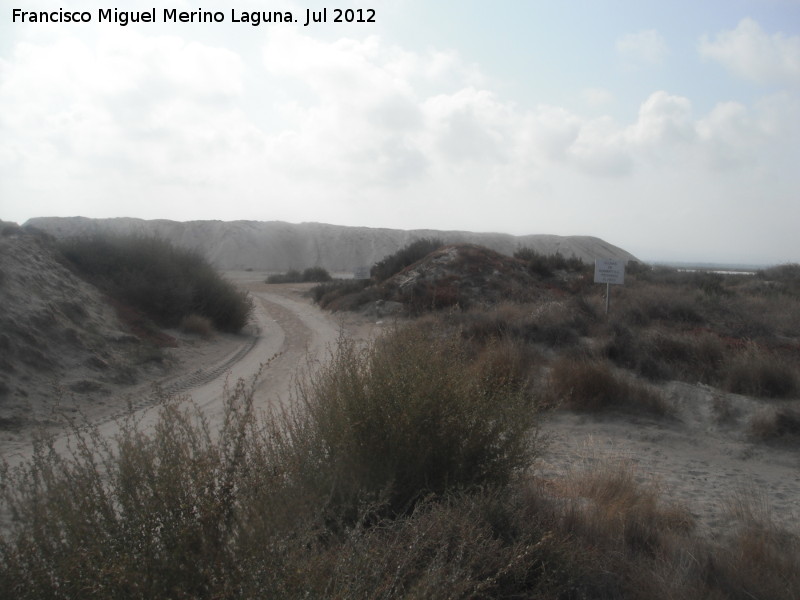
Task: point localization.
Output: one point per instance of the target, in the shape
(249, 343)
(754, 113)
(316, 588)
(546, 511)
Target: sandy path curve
(285, 325)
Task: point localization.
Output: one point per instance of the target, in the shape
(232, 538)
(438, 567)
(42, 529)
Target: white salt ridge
(278, 246)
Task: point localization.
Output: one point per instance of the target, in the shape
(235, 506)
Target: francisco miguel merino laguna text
(172, 15)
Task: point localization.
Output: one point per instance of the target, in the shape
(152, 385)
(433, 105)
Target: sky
(670, 129)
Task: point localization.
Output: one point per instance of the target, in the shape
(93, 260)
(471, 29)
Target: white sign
(609, 270)
(361, 273)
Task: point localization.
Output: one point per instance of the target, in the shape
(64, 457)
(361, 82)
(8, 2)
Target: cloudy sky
(671, 129)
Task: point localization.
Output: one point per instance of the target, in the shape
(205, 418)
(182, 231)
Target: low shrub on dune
(165, 282)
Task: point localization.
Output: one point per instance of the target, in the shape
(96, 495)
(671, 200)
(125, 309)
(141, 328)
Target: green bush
(165, 282)
(406, 418)
(406, 256)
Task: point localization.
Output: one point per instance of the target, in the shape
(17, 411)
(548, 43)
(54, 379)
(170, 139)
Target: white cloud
(752, 54)
(158, 127)
(644, 48)
(664, 119)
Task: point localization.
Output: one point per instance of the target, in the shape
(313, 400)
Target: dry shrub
(508, 361)
(688, 356)
(759, 372)
(408, 416)
(609, 506)
(557, 323)
(770, 425)
(197, 325)
(346, 294)
(482, 545)
(147, 515)
(184, 512)
(652, 547)
(668, 304)
(587, 385)
(162, 280)
(498, 321)
(760, 560)
(554, 323)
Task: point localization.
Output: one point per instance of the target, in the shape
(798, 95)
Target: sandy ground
(701, 459)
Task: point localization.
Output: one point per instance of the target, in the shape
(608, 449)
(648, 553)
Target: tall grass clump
(406, 256)
(758, 372)
(408, 418)
(592, 386)
(165, 282)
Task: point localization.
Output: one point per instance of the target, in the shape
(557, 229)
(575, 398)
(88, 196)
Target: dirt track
(285, 325)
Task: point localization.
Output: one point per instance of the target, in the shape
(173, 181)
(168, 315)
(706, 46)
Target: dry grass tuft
(773, 425)
(607, 504)
(758, 372)
(592, 386)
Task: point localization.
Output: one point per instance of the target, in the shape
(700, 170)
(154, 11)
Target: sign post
(361, 273)
(608, 271)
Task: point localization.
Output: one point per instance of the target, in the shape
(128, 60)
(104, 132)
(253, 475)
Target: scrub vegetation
(166, 283)
(403, 469)
(400, 472)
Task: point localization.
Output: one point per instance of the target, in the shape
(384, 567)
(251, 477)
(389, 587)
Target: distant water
(723, 268)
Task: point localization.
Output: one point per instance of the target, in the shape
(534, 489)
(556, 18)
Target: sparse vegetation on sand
(152, 275)
(399, 473)
(459, 275)
(740, 333)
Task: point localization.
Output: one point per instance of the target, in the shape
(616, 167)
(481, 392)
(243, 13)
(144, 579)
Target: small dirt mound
(462, 275)
(459, 275)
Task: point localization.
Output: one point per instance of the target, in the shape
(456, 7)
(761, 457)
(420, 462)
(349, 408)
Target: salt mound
(276, 246)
